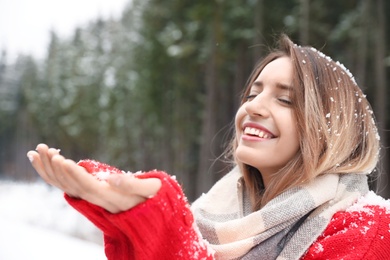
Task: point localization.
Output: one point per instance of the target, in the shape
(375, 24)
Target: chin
(244, 155)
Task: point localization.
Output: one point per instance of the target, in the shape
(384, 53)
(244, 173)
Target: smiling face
(266, 131)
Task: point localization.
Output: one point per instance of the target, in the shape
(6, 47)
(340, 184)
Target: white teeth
(257, 132)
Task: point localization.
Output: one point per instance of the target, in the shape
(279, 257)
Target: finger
(128, 184)
(52, 151)
(36, 162)
(64, 180)
(84, 184)
(43, 149)
(116, 201)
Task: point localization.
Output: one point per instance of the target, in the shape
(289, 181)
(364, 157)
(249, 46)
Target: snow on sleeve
(370, 199)
(100, 170)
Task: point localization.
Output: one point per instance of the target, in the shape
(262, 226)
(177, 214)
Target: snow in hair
(344, 69)
(329, 59)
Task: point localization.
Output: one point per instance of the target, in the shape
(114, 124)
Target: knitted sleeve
(160, 228)
(116, 243)
(355, 235)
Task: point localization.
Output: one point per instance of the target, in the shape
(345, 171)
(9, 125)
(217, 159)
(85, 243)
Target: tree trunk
(380, 95)
(208, 147)
(304, 22)
(259, 28)
(363, 44)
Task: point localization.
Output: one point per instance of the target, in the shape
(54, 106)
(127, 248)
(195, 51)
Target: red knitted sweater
(163, 227)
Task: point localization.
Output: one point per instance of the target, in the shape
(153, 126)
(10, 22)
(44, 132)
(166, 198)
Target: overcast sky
(25, 24)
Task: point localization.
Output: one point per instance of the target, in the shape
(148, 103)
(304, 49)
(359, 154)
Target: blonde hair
(335, 123)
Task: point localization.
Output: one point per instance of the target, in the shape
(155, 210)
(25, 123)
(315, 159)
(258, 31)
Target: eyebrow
(278, 85)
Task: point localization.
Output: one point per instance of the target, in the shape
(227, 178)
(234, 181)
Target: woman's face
(266, 130)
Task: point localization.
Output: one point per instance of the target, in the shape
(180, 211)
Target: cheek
(293, 141)
(239, 117)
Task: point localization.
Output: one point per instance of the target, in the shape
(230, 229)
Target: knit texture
(284, 228)
(115, 241)
(160, 228)
(356, 234)
(163, 227)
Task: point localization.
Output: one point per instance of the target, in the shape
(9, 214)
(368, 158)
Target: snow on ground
(37, 223)
(21, 241)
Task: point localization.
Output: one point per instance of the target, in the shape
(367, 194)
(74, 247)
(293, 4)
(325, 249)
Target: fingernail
(30, 157)
(55, 150)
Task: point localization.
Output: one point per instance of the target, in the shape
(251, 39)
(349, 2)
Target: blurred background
(157, 85)
(147, 84)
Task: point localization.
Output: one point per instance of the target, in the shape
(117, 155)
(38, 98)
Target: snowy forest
(159, 86)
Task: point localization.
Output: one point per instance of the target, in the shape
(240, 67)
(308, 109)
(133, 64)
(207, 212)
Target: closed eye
(250, 97)
(285, 101)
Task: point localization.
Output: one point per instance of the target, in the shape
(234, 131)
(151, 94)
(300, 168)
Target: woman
(305, 141)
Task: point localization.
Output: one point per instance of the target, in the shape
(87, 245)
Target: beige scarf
(284, 228)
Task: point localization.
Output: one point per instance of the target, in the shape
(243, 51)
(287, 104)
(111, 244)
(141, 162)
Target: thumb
(128, 184)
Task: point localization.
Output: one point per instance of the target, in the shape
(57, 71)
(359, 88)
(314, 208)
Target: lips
(255, 130)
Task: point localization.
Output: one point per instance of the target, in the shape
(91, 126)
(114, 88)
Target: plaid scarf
(284, 228)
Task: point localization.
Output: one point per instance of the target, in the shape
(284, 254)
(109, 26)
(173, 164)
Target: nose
(258, 106)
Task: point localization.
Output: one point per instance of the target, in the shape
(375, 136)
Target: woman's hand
(119, 193)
